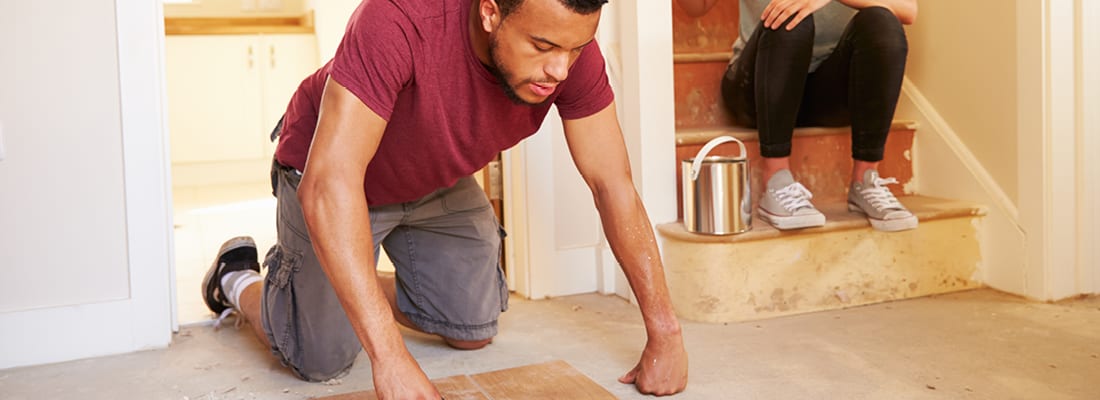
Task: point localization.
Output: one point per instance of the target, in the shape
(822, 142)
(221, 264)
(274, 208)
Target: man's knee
(467, 344)
(323, 370)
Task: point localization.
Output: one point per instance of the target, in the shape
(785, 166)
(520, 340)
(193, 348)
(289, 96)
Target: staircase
(767, 273)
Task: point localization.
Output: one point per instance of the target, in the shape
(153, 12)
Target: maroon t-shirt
(411, 62)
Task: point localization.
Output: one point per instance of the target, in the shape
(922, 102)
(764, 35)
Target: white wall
(330, 19)
(84, 254)
(961, 88)
(969, 73)
(1000, 92)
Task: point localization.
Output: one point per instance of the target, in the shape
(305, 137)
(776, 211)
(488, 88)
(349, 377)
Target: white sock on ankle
(234, 283)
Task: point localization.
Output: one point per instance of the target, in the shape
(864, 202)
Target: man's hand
(778, 11)
(663, 369)
(401, 378)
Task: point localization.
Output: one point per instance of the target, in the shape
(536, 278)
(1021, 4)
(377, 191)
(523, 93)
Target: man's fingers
(631, 376)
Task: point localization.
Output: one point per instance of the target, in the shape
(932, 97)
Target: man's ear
(489, 12)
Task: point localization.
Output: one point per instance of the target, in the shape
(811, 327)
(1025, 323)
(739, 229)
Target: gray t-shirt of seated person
(829, 24)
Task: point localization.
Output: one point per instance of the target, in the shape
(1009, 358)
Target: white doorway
(226, 89)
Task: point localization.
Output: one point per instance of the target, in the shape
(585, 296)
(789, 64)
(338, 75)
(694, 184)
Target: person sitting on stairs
(819, 63)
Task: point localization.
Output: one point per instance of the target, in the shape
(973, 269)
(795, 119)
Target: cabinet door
(288, 59)
(214, 98)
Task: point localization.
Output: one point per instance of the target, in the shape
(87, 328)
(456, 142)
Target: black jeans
(768, 87)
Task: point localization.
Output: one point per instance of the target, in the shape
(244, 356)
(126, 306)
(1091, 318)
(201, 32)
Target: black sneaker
(236, 254)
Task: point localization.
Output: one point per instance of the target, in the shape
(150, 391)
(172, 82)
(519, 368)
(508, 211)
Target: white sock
(234, 283)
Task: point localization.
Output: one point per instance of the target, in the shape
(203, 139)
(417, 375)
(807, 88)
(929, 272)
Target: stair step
(765, 273)
(821, 158)
(713, 32)
(697, 90)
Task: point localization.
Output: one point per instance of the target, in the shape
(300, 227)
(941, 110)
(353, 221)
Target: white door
(555, 241)
(84, 249)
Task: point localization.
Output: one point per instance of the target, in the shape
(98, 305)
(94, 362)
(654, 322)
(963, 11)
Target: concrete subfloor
(978, 344)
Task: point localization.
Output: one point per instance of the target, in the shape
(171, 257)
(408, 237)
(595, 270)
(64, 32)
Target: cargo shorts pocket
(281, 264)
(279, 303)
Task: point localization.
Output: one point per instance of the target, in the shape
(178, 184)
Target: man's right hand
(401, 378)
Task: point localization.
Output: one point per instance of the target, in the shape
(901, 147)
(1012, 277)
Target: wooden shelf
(238, 25)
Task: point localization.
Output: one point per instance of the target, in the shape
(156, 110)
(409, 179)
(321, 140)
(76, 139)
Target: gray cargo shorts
(445, 248)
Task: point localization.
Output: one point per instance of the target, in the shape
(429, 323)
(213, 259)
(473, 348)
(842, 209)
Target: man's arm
(596, 143)
(336, 212)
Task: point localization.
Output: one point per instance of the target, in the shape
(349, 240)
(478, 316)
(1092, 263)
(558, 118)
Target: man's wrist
(665, 326)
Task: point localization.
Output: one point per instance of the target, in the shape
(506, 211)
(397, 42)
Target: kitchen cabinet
(225, 94)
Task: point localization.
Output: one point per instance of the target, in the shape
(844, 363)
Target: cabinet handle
(251, 57)
(271, 49)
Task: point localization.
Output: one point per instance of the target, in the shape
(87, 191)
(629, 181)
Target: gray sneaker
(786, 204)
(873, 199)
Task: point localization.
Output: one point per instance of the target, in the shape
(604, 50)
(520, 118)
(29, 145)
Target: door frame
(147, 173)
(640, 69)
(1088, 12)
(1058, 177)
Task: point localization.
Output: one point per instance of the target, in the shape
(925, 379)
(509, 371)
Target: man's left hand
(663, 369)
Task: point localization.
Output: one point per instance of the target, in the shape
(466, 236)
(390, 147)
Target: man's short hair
(583, 7)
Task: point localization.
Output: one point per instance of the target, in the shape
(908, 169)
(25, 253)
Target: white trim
(647, 108)
(1060, 211)
(142, 321)
(516, 211)
(1089, 135)
(145, 157)
(166, 161)
(1049, 165)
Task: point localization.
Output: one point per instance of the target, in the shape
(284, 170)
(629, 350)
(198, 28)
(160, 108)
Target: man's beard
(503, 77)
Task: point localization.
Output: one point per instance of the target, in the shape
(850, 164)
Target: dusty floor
(972, 345)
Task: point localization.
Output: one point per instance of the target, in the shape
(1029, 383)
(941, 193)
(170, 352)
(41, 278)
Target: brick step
(765, 273)
(821, 158)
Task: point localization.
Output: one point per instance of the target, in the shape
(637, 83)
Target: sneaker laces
(880, 196)
(225, 314)
(794, 197)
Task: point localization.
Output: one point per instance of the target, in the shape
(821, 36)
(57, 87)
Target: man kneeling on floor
(376, 149)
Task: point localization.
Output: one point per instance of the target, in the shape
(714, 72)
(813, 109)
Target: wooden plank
(551, 380)
(451, 388)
